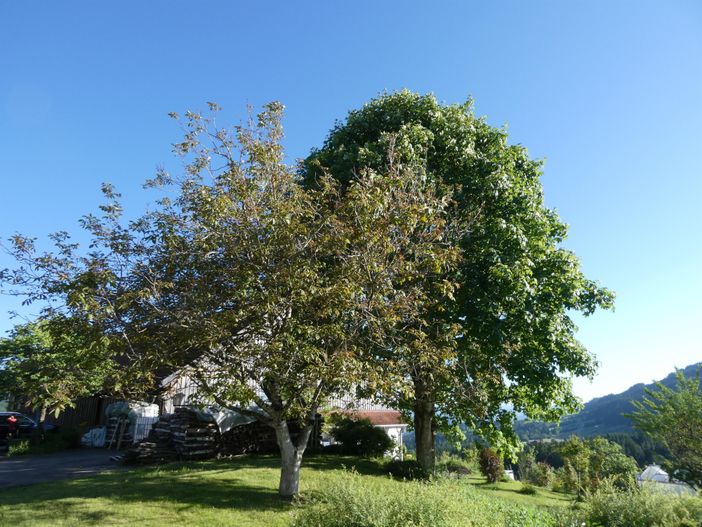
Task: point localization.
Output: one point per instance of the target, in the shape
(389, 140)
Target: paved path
(25, 470)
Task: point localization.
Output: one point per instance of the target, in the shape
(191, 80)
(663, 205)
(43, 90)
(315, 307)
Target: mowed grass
(239, 492)
(509, 490)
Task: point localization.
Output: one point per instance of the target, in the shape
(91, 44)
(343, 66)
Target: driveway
(26, 470)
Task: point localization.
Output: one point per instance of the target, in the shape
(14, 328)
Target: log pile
(251, 438)
(182, 435)
(156, 447)
(187, 434)
(258, 438)
(193, 437)
(147, 451)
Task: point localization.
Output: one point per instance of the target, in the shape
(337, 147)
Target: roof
(382, 417)
(653, 473)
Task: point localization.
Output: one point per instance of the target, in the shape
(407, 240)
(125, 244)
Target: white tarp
(228, 419)
(94, 438)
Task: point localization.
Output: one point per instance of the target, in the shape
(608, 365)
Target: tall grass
(647, 507)
(351, 500)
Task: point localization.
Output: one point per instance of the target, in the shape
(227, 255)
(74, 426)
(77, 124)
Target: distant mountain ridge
(602, 415)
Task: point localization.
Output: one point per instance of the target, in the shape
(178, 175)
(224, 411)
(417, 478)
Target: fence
(142, 427)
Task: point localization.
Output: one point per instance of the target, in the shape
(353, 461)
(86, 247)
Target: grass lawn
(240, 492)
(510, 491)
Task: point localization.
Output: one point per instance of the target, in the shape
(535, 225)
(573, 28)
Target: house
(653, 473)
(85, 413)
(179, 389)
(391, 422)
(654, 476)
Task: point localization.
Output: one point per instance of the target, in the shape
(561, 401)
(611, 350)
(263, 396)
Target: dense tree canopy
(516, 285)
(411, 256)
(267, 295)
(48, 364)
(673, 416)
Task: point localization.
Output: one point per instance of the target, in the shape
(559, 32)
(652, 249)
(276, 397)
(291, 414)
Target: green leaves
(49, 364)
(512, 286)
(261, 290)
(674, 417)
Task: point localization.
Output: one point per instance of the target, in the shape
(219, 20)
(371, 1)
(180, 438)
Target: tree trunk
(424, 435)
(42, 418)
(290, 458)
(37, 436)
(424, 427)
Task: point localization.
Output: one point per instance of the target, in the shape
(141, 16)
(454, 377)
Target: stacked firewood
(147, 451)
(193, 436)
(156, 447)
(251, 438)
(186, 434)
(258, 438)
(161, 429)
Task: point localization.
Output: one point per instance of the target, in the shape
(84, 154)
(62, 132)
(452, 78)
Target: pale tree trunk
(424, 427)
(291, 458)
(42, 418)
(37, 435)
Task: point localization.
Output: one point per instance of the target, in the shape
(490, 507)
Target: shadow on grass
(370, 467)
(367, 467)
(242, 482)
(547, 497)
(58, 510)
(176, 487)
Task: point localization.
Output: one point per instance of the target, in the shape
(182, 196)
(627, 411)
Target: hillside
(602, 415)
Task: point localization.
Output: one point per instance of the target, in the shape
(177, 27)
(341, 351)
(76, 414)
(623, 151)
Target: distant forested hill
(599, 416)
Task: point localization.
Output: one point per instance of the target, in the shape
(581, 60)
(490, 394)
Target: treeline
(641, 447)
(637, 445)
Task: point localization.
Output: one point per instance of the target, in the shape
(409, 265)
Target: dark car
(24, 427)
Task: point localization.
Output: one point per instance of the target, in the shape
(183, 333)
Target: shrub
(539, 474)
(408, 469)
(527, 488)
(333, 450)
(17, 447)
(557, 481)
(358, 437)
(54, 441)
(64, 438)
(491, 466)
(451, 464)
(589, 462)
(471, 456)
(565, 479)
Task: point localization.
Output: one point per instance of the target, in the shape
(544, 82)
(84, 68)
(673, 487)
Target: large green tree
(265, 294)
(517, 287)
(48, 364)
(673, 416)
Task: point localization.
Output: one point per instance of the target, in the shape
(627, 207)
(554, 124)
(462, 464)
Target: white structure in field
(654, 476)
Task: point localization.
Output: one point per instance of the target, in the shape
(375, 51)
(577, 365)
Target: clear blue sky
(610, 93)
